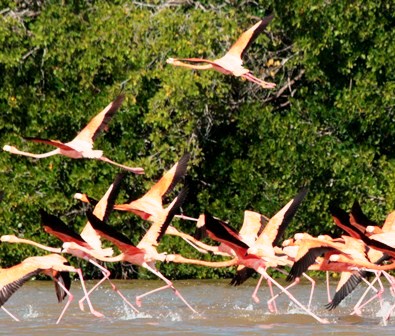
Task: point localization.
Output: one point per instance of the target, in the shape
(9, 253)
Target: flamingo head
(8, 148)
(7, 238)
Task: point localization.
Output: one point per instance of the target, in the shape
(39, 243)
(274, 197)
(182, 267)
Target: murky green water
(223, 310)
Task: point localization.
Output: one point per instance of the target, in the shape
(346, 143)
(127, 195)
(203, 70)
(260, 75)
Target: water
(223, 310)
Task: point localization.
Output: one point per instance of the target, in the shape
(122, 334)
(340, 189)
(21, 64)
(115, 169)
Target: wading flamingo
(220, 231)
(11, 279)
(231, 63)
(354, 224)
(82, 145)
(263, 239)
(102, 210)
(55, 226)
(145, 253)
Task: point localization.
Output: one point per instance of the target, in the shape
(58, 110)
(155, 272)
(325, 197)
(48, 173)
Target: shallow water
(223, 310)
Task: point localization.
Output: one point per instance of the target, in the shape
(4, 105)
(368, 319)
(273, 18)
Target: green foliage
(328, 124)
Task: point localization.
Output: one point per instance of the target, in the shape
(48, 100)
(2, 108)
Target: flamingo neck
(33, 155)
(193, 66)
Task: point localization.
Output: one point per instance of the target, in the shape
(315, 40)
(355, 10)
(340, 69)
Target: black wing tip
(268, 18)
(181, 197)
(359, 215)
(242, 276)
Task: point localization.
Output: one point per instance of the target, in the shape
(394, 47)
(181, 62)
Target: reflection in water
(223, 310)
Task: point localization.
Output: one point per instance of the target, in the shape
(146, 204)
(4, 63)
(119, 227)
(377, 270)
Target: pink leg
(286, 292)
(169, 285)
(11, 315)
(94, 312)
(271, 304)
(297, 280)
(328, 288)
(106, 274)
(359, 305)
(312, 289)
(70, 298)
(254, 294)
(258, 81)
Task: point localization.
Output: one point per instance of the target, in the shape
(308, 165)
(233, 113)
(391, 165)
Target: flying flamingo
(102, 210)
(231, 63)
(220, 231)
(55, 226)
(355, 225)
(82, 145)
(11, 279)
(263, 240)
(145, 253)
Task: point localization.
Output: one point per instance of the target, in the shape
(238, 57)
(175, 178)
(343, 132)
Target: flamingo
(145, 253)
(82, 145)
(354, 224)
(61, 276)
(231, 63)
(102, 210)
(263, 240)
(220, 231)
(53, 225)
(11, 279)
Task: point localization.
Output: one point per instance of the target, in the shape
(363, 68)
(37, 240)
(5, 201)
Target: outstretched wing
(90, 132)
(248, 37)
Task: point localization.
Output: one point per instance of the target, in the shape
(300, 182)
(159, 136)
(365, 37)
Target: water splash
(384, 310)
(30, 312)
(126, 313)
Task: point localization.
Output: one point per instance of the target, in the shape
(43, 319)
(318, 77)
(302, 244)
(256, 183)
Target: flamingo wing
(108, 232)
(348, 282)
(305, 258)
(13, 278)
(253, 225)
(389, 224)
(64, 278)
(243, 273)
(55, 143)
(224, 233)
(248, 37)
(274, 230)
(358, 218)
(55, 226)
(160, 225)
(90, 132)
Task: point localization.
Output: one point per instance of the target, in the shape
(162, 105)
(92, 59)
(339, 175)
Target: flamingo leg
(272, 300)
(359, 305)
(312, 289)
(254, 294)
(10, 314)
(292, 298)
(271, 305)
(106, 274)
(94, 312)
(293, 284)
(70, 298)
(252, 78)
(328, 288)
(169, 284)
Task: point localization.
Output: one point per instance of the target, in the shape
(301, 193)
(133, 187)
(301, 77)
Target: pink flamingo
(231, 63)
(82, 145)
